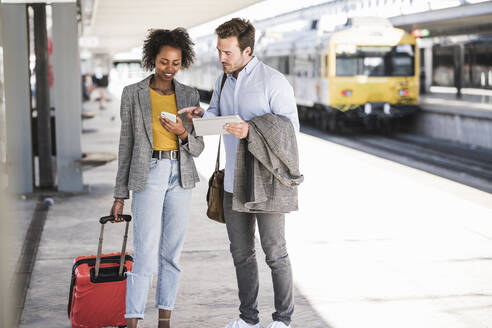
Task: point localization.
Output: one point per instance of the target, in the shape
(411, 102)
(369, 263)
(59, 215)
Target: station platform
(467, 104)
(467, 120)
(374, 244)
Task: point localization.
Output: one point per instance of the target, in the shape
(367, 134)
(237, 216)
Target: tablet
(213, 125)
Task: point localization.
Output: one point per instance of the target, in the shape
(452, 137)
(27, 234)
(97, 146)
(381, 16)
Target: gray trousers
(241, 231)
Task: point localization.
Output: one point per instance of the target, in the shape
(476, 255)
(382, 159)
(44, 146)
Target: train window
(284, 65)
(402, 66)
(373, 66)
(303, 66)
(280, 63)
(377, 61)
(346, 66)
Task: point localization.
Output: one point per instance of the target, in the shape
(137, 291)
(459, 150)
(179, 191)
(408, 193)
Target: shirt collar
(249, 66)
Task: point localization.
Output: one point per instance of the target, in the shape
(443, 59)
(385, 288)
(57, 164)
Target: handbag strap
(217, 163)
(224, 78)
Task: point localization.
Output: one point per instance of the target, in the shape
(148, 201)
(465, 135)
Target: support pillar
(7, 300)
(67, 96)
(44, 142)
(13, 20)
(459, 62)
(428, 68)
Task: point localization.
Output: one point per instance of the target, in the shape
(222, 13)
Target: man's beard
(227, 68)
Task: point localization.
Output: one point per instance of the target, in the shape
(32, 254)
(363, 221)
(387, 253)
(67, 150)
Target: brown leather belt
(169, 154)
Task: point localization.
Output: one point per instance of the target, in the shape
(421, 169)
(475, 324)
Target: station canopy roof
(465, 19)
(112, 26)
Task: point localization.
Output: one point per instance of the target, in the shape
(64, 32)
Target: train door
(317, 75)
(304, 71)
(292, 80)
(323, 79)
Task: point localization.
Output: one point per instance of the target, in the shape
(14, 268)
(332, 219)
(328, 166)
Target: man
(251, 89)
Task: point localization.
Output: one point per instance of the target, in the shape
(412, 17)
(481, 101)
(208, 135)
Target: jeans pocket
(153, 163)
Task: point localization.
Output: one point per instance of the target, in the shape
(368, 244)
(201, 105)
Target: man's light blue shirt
(258, 90)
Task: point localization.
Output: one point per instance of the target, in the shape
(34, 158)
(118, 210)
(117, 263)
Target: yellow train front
(366, 72)
(372, 73)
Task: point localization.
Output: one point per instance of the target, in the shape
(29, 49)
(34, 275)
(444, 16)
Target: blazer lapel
(146, 108)
(180, 99)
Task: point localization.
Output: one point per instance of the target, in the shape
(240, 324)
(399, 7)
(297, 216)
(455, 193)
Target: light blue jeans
(160, 220)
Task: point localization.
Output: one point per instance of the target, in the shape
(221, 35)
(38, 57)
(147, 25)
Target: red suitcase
(98, 286)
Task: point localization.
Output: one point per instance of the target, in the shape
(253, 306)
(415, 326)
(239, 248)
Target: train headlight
(403, 92)
(387, 108)
(346, 93)
(367, 108)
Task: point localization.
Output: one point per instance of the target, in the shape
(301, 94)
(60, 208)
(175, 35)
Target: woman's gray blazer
(136, 140)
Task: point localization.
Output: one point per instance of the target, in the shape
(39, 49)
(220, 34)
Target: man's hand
(239, 130)
(192, 112)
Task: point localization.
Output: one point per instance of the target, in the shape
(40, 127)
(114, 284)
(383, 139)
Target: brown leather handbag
(215, 193)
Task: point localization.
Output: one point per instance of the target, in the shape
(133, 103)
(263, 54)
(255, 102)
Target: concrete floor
(377, 244)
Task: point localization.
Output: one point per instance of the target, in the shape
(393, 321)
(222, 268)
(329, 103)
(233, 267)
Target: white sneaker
(277, 324)
(240, 323)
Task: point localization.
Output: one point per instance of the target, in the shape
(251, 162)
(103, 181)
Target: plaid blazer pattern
(266, 173)
(136, 139)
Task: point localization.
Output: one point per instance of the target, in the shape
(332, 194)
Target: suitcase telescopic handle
(103, 221)
(106, 219)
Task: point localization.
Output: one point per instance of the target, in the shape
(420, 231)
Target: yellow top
(163, 140)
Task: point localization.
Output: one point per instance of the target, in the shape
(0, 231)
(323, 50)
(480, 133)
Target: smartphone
(169, 116)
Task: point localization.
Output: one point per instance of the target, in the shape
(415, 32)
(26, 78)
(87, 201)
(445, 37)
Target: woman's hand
(176, 128)
(192, 112)
(117, 209)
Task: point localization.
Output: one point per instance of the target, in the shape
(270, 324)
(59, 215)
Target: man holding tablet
(251, 89)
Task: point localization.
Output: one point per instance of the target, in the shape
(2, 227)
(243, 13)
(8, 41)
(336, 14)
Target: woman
(155, 162)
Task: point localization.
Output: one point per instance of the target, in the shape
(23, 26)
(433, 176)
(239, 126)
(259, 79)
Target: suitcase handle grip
(106, 219)
(103, 221)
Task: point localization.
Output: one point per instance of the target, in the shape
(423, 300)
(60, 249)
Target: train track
(471, 166)
(464, 164)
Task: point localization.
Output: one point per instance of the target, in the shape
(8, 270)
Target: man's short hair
(240, 28)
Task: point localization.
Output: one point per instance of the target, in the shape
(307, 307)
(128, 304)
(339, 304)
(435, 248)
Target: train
(365, 72)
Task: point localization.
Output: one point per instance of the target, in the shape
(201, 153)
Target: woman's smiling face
(168, 62)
